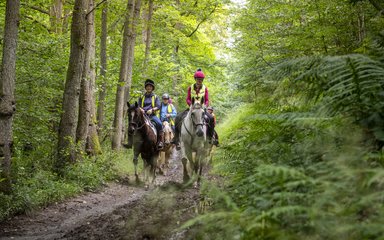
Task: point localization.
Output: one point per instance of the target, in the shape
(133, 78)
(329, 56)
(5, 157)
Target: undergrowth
(290, 175)
(36, 185)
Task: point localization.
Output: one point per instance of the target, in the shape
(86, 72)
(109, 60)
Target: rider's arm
(173, 113)
(189, 99)
(206, 100)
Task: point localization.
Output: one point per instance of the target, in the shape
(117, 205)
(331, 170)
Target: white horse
(194, 143)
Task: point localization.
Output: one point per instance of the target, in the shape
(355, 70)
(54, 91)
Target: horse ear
(202, 100)
(136, 104)
(128, 104)
(193, 100)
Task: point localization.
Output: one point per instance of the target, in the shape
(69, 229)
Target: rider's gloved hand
(149, 112)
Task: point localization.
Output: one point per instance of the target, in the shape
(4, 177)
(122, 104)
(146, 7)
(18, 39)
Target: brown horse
(167, 151)
(144, 141)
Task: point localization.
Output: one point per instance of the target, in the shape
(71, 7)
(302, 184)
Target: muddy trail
(119, 211)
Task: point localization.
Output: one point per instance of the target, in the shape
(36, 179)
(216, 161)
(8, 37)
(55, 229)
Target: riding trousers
(157, 123)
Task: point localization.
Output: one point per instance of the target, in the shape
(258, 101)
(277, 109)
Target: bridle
(136, 124)
(194, 124)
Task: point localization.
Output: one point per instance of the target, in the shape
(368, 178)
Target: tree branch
(35, 21)
(36, 8)
(202, 21)
(97, 5)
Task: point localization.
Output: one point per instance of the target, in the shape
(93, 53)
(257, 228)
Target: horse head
(197, 116)
(135, 117)
(168, 133)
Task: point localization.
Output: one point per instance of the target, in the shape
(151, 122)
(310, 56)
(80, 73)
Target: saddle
(152, 125)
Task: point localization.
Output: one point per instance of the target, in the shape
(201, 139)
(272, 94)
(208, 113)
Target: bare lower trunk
(69, 117)
(103, 69)
(84, 101)
(93, 145)
(7, 86)
(125, 76)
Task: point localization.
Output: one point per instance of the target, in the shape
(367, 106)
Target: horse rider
(197, 90)
(150, 103)
(215, 139)
(167, 111)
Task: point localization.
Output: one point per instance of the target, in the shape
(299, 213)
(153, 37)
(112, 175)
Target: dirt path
(119, 211)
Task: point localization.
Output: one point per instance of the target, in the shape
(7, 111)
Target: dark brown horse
(144, 141)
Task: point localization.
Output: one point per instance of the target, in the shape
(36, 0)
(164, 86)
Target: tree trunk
(84, 101)
(69, 117)
(136, 18)
(93, 144)
(148, 38)
(123, 77)
(103, 68)
(56, 16)
(7, 86)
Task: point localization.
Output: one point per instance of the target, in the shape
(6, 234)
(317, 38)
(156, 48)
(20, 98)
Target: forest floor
(121, 210)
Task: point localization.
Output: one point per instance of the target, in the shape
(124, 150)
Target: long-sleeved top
(148, 102)
(194, 92)
(164, 112)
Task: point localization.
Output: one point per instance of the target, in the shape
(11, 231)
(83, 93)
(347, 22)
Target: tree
(7, 85)
(103, 68)
(125, 76)
(70, 106)
(148, 37)
(86, 134)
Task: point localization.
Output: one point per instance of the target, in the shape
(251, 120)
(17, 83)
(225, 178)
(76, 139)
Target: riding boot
(176, 140)
(215, 139)
(160, 140)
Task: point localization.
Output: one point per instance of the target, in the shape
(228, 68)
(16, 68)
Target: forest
(297, 88)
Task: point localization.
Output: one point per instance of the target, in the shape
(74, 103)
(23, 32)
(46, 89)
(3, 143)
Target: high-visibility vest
(199, 94)
(169, 110)
(153, 103)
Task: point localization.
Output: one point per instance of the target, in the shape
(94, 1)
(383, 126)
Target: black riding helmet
(149, 82)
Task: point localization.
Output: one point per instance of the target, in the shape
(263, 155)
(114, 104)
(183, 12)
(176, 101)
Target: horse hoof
(196, 185)
(146, 187)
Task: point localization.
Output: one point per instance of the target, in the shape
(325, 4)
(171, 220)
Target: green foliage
(293, 178)
(350, 84)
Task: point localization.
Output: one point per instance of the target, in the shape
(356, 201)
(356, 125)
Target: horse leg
(162, 162)
(185, 170)
(153, 168)
(135, 161)
(167, 156)
(146, 166)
